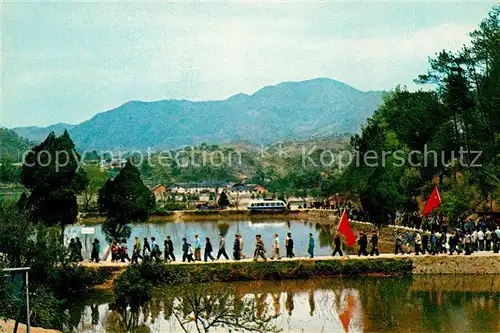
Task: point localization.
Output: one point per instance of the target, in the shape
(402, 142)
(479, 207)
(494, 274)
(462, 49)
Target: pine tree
(125, 199)
(223, 200)
(52, 175)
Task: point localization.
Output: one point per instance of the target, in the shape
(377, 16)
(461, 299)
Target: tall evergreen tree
(223, 200)
(125, 199)
(52, 175)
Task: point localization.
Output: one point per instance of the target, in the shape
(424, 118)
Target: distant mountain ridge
(36, 133)
(288, 110)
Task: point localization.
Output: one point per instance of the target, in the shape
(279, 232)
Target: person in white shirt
(276, 247)
(480, 239)
(474, 240)
(488, 236)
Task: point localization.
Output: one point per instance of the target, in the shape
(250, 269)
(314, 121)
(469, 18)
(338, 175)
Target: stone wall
(477, 264)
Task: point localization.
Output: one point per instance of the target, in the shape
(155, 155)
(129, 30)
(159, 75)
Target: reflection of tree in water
(325, 236)
(203, 308)
(223, 228)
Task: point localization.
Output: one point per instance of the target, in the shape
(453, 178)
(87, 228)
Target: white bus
(267, 205)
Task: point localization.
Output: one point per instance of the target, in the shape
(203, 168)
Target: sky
(66, 62)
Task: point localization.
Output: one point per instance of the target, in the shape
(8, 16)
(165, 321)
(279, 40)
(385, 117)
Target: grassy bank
(279, 270)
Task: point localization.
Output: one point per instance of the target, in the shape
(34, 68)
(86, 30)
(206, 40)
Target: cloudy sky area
(65, 62)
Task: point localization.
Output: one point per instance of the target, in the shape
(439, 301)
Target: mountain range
(286, 111)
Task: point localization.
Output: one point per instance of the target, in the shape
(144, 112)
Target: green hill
(12, 145)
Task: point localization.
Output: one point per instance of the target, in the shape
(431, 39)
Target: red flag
(433, 202)
(345, 229)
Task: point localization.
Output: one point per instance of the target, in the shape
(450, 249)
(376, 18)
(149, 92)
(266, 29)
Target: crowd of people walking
(149, 249)
(470, 239)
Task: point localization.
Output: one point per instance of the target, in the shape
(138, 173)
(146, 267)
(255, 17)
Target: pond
(300, 229)
(369, 304)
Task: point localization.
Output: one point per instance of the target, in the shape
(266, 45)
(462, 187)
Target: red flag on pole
(433, 202)
(345, 229)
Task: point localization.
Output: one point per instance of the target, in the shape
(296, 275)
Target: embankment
(476, 264)
(388, 265)
(271, 270)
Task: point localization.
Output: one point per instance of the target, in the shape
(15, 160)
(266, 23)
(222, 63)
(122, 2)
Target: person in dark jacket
(79, 246)
(363, 244)
(374, 243)
(236, 248)
(222, 247)
(289, 245)
(337, 245)
(187, 252)
(146, 249)
(425, 243)
(72, 250)
(96, 248)
(169, 249)
(208, 250)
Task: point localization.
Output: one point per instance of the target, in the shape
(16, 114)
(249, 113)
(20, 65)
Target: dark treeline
(457, 118)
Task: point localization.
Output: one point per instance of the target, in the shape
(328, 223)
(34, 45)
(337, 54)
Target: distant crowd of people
(457, 241)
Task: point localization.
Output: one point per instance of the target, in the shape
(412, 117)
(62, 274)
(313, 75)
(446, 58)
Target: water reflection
(418, 304)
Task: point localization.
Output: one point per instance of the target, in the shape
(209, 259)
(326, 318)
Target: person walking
(496, 240)
(398, 242)
(289, 245)
(72, 249)
(208, 250)
(259, 248)
(96, 249)
(443, 241)
(453, 243)
(418, 243)
(467, 243)
(155, 250)
(115, 251)
(169, 249)
(79, 248)
(222, 247)
(124, 251)
(337, 243)
(374, 242)
(136, 254)
(276, 247)
(310, 246)
(408, 240)
(197, 248)
(425, 243)
(488, 236)
(242, 255)
(480, 239)
(434, 243)
(236, 248)
(187, 253)
(146, 250)
(474, 239)
(363, 244)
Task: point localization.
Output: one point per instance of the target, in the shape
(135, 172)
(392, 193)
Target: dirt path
(353, 257)
(9, 327)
